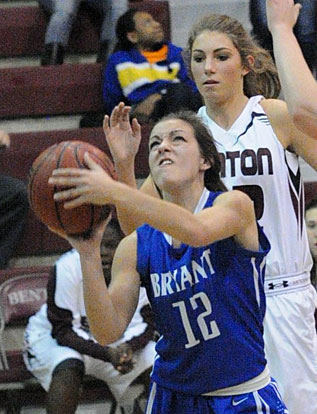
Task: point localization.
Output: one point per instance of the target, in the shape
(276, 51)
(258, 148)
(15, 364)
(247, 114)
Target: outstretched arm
(108, 313)
(298, 84)
(225, 219)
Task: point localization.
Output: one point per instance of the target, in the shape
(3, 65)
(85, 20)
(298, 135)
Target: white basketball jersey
(254, 160)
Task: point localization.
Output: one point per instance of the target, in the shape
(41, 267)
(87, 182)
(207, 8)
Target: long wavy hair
(206, 145)
(262, 78)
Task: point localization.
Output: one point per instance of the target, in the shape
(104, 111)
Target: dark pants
(14, 206)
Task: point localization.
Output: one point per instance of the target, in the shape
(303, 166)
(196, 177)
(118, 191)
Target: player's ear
(248, 66)
(204, 164)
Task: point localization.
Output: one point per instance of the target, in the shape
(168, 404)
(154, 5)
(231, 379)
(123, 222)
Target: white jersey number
(208, 332)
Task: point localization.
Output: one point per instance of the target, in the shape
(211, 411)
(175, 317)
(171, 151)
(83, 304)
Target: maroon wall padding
(40, 91)
(22, 29)
(36, 239)
(18, 158)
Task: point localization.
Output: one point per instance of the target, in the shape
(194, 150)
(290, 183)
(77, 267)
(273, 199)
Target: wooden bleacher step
(40, 91)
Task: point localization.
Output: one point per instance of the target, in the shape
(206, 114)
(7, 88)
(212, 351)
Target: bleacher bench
(50, 90)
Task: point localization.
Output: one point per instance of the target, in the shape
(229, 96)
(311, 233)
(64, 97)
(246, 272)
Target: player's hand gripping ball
(67, 154)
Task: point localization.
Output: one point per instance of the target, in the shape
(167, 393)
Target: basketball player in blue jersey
(259, 147)
(201, 257)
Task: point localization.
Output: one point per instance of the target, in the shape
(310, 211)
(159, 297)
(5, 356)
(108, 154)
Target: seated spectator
(14, 206)
(147, 72)
(305, 28)
(62, 15)
(311, 224)
(59, 348)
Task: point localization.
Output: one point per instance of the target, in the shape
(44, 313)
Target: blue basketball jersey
(209, 306)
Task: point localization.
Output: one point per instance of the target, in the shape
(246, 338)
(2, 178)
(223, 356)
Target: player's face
(216, 67)
(311, 223)
(148, 31)
(108, 247)
(174, 155)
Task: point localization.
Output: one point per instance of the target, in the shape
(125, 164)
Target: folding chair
(22, 292)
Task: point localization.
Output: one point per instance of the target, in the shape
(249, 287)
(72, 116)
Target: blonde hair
(263, 77)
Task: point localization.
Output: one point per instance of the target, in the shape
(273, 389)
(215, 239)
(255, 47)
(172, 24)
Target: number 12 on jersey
(208, 332)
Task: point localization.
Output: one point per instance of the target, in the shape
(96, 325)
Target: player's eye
(178, 138)
(197, 58)
(222, 57)
(153, 144)
(311, 225)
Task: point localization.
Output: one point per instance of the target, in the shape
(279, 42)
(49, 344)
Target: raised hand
(282, 13)
(123, 137)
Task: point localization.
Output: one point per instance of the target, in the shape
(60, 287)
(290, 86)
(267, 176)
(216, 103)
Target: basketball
(67, 154)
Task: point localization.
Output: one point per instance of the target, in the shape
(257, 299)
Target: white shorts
(48, 354)
(291, 347)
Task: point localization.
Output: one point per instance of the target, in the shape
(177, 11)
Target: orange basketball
(77, 221)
